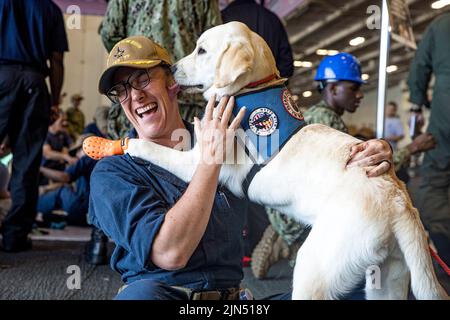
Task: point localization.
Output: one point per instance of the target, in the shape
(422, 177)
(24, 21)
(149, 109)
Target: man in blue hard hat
(339, 82)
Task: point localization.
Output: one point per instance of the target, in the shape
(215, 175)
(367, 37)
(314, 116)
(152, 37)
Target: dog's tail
(412, 239)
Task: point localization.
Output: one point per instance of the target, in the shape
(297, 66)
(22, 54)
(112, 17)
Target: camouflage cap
(134, 52)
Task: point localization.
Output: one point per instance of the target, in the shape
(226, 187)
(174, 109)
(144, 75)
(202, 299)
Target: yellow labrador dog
(359, 223)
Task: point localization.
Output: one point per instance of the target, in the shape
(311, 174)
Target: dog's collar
(262, 81)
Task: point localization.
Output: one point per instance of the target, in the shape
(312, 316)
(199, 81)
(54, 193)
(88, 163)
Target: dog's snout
(174, 68)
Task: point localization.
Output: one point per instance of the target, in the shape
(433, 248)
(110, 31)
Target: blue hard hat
(342, 66)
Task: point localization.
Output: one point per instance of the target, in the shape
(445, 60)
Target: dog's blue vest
(271, 118)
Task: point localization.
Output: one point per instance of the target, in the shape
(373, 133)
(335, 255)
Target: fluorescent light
(332, 52)
(357, 41)
(325, 52)
(391, 68)
(307, 94)
(294, 97)
(440, 4)
(365, 76)
(303, 64)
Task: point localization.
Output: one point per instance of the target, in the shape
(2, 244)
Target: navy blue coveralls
(29, 32)
(73, 201)
(129, 200)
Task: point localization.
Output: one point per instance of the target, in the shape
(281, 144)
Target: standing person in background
(267, 24)
(394, 132)
(433, 57)
(31, 33)
(75, 117)
(393, 126)
(176, 24)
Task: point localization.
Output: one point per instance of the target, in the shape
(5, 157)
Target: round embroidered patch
(290, 105)
(263, 121)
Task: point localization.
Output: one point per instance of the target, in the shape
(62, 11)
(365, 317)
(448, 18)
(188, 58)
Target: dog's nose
(174, 68)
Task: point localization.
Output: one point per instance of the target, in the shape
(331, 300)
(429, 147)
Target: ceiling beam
(328, 19)
(352, 29)
(373, 54)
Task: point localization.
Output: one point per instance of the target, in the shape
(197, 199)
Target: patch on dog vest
(271, 118)
(263, 121)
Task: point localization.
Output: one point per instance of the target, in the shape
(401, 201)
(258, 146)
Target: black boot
(14, 245)
(14, 240)
(96, 249)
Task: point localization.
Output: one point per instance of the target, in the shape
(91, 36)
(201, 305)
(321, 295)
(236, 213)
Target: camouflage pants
(290, 230)
(119, 126)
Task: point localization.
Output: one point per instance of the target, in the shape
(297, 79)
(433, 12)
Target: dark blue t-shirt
(30, 30)
(57, 142)
(129, 200)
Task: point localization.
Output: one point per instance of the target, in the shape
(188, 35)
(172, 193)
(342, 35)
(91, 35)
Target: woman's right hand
(214, 136)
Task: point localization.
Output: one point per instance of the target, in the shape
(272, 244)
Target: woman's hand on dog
(374, 154)
(214, 135)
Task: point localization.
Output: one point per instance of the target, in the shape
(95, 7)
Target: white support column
(382, 75)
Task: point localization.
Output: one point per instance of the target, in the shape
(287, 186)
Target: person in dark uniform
(74, 200)
(267, 24)
(433, 57)
(173, 240)
(31, 34)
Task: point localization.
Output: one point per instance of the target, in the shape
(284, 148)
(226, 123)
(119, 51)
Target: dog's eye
(201, 51)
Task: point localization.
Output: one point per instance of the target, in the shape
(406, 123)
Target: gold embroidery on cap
(119, 53)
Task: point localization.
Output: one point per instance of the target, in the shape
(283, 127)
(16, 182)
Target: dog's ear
(234, 61)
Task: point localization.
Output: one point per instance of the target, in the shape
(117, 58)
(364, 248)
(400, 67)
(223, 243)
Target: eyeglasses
(137, 80)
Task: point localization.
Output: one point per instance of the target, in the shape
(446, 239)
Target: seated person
(55, 150)
(99, 127)
(74, 200)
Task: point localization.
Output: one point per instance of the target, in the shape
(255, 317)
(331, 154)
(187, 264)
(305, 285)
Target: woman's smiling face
(151, 110)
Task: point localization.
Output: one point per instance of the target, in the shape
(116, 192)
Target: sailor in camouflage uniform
(174, 24)
(75, 117)
(340, 81)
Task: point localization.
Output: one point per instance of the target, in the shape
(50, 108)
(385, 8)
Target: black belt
(220, 294)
